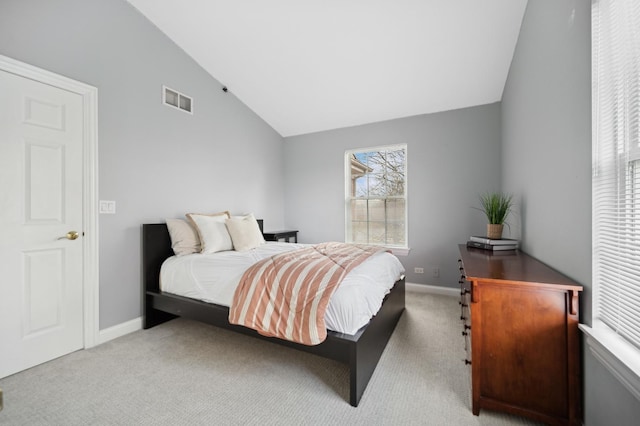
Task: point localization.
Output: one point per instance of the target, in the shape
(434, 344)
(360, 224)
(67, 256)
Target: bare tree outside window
(376, 196)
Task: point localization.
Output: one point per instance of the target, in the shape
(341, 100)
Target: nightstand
(281, 235)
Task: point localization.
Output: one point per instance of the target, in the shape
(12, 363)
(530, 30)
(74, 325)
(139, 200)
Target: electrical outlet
(418, 270)
(435, 272)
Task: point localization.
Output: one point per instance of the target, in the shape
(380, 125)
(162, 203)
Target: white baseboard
(433, 289)
(119, 330)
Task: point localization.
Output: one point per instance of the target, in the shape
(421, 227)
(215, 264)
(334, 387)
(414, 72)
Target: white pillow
(245, 232)
(184, 237)
(212, 230)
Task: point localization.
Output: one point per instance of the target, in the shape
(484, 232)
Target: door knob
(71, 235)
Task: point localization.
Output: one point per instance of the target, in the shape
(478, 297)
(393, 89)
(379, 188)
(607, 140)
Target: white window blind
(616, 166)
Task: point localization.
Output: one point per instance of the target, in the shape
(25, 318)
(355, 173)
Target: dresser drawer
(465, 311)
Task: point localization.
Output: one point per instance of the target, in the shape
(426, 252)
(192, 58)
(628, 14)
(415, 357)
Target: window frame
(612, 103)
(402, 250)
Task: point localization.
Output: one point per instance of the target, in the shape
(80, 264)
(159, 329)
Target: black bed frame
(360, 352)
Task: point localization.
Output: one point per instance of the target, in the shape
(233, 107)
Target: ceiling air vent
(176, 99)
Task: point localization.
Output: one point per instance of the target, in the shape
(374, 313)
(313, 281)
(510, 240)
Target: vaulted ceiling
(311, 65)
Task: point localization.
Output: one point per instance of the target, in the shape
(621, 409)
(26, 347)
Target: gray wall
(546, 135)
(154, 161)
(546, 161)
(451, 158)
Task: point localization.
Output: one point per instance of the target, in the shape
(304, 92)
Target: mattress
(214, 277)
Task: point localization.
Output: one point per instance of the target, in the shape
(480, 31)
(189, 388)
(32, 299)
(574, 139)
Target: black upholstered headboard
(156, 248)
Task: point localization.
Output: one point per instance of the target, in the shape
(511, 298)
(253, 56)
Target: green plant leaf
(496, 206)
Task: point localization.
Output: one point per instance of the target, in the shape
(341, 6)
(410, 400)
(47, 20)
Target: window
(376, 196)
(616, 187)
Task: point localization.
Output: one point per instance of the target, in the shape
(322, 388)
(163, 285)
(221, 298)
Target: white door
(41, 172)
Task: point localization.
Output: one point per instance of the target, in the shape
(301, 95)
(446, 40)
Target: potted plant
(496, 206)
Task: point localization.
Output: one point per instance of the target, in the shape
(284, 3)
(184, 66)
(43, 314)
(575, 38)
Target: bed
(360, 351)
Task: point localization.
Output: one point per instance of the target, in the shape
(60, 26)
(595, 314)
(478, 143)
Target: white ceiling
(311, 65)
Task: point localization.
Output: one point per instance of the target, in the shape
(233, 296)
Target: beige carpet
(184, 372)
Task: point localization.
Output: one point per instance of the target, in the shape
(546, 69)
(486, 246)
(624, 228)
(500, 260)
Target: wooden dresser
(520, 320)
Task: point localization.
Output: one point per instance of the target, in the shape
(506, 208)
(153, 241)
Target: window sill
(621, 358)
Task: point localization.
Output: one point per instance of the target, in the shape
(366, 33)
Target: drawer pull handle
(467, 327)
(464, 305)
(464, 333)
(463, 318)
(467, 362)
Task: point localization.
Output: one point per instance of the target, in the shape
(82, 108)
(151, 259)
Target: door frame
(90, 251)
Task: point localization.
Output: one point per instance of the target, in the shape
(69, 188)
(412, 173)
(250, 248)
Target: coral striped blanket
(286, 295)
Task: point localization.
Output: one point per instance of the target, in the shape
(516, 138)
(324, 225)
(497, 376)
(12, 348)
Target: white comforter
(213, 278)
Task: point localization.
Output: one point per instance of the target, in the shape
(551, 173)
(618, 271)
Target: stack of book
(491, 244)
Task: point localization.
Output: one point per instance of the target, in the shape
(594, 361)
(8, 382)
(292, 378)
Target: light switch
(107, 207)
